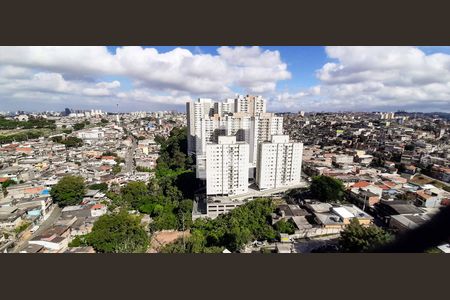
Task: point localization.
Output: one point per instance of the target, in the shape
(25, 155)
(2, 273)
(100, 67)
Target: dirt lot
(163, 238)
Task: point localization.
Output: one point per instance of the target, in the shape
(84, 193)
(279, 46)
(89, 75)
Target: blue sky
(302, 61)
(291, 78)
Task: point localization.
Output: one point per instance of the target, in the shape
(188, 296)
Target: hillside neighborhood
(87, 181)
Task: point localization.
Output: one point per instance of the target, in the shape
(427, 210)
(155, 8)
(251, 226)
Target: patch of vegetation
(283, 226)
(69, 141)
(32, 123)
(327, 189)
(68, 191)
(21, 136)
(6, 184)
(357, 238)
(79, 126)
(116, 233)
(232, 230)
(116, 169)
(144, 169)
(102, 187)
(21, 227)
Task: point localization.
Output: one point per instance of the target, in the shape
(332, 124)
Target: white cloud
(378, 78)
(76, 70)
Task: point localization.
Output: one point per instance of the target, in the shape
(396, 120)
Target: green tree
(68, 191)
(165, 221)
(116, 169)
(118, 233)
(79, 126)
(135, 193)
(6, 184)
(238, 227)
(283, 226)
(327, 189)
(102, 187)
(357, 238)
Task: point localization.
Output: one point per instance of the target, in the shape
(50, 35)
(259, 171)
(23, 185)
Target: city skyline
(164, 78)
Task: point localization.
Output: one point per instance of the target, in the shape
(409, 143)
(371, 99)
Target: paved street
(44, 226)
(129, 162)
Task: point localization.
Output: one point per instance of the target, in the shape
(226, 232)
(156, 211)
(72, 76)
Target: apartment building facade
(227, 167)
(279, 163)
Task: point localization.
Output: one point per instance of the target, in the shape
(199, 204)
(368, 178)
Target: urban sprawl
(225, 176)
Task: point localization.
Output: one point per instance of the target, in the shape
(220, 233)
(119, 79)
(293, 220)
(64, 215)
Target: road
(129, 159)
(54, 215)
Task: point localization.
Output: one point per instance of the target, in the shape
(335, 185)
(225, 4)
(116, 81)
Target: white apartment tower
(227, 167)
(279, 163)
(250, 104)
(234, 141)
(225, 107)
(264, 126)
(196, 111)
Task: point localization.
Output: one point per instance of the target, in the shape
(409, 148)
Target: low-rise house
(86, 249)
(56, 238)
(428, 198)
(406, 222)
(340, 216)
(10, 217)
(98, 210)
(386, 209)
(33, 248)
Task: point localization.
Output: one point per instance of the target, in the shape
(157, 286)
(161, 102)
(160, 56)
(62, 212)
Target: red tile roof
(97, 206)
(360, 184)
(108, 157)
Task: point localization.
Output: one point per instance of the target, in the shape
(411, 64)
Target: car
(34, 228)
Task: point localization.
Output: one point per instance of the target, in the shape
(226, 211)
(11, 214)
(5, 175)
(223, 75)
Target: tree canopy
(68, 191)
(33, 122)
(357, 238)
(283, 226)
(70, 141)
(327, 189)
(102, 187)
(232, 230)
(117, 233)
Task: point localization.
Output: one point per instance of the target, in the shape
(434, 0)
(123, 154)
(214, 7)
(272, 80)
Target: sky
(291, 78)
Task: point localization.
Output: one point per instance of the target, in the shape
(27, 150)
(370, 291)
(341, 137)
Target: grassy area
(22, 227)
(19, 135)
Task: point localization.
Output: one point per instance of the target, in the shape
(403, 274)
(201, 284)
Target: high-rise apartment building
(225, 107)
(227, 167)
(265, 125)
(196, 111)
(250, 104)
(237, 127)
(279, 163)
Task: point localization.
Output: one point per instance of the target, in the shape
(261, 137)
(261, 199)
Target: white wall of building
(227, 167)
(279, 163)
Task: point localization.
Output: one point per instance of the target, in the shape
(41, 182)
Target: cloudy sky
(160, 78)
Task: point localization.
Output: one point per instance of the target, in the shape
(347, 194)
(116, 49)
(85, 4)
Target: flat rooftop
(253, 192)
